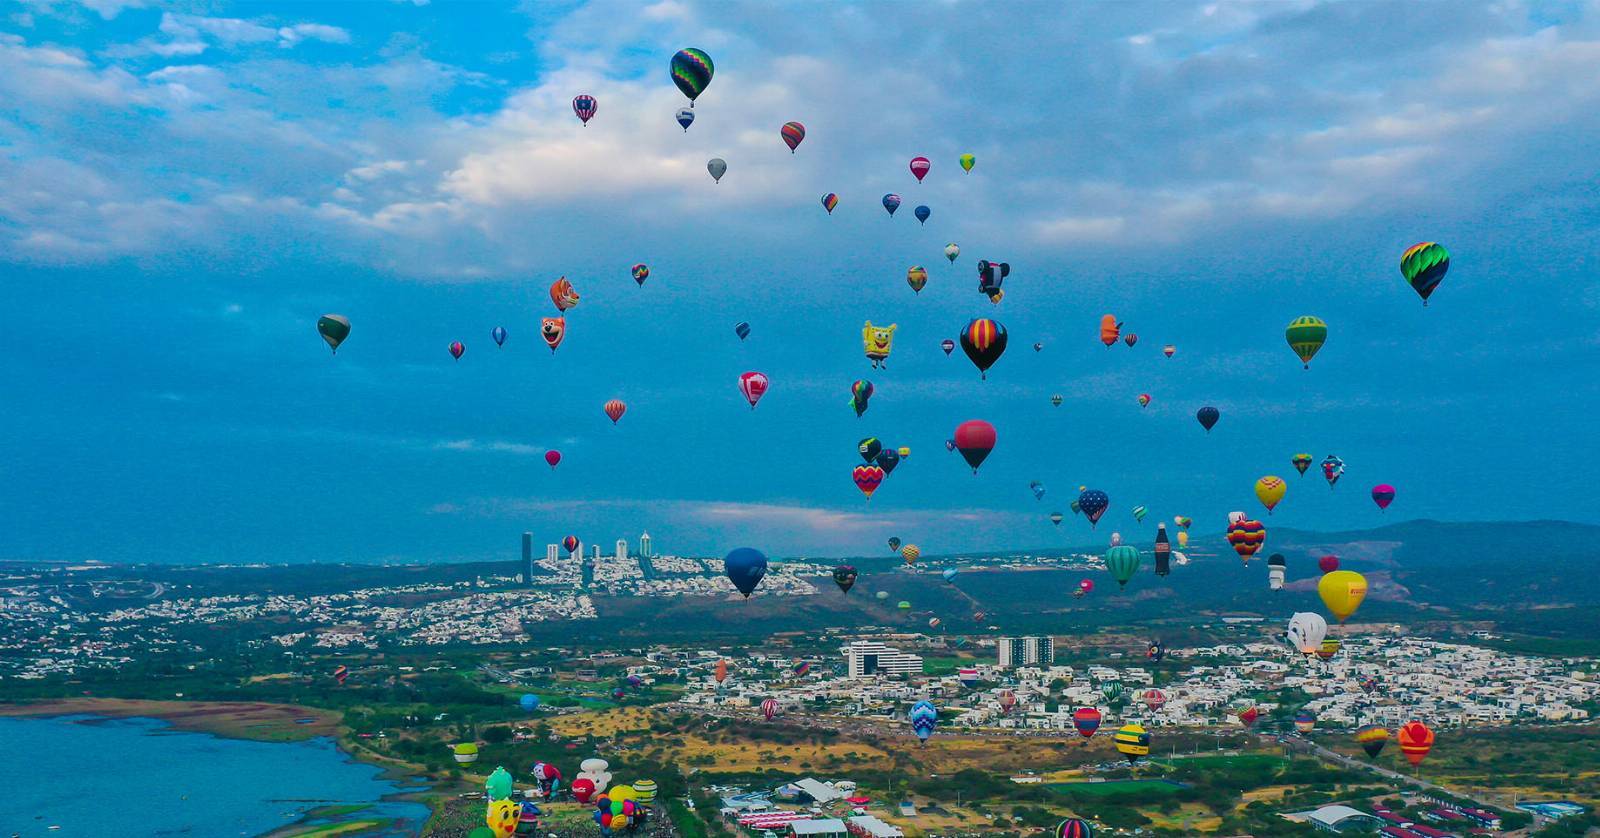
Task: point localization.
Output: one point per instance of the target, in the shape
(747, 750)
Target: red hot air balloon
(920, 167)
(553, 457)
(457, 349)
(1248, 716)
(1328, 564)
(769, 708)
(1086, 720)
(975, 439)
(793, 133)
(868, 479)
(585, 107)
(753, 385)
(571, 544)
(1416, 740)
(615, 408)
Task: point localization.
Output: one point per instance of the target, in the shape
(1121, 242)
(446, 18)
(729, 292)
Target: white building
(595, 551)
(552, 552)
(868, 658)
(622, 550)
(644, 545)
(1025, 651)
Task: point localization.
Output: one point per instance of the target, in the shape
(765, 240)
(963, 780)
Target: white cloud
(492, 446)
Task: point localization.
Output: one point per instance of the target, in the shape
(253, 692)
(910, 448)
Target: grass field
(1144, 787)
(1224, 761)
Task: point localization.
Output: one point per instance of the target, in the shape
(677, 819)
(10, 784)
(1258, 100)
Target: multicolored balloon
(869, 448)
(910, 553)
(1056, 399)
(334, 328)
(967, 162)
(691, 71)
(845, 577)
(1383, 495)
(457, 349)
(1144, 399)
(984, 341)
(860, 391)
(1092, 503)
(1424, 265)
(829, 201)
(916, 277)
(1270, 491)
(947, 345)
(585, 106)
(952, 251)
(1332, 469)
(571, 544)
(615, 408)
(1132, 741)
(563, 294)
(1168, 350)
(1246, 536)
(640, 272)
(1416, 740)
(1056, 518)
(1138, 514)
(867, 478)
(1130, 339)
(975, 438)
(891, 202)
(1301, 462)
(1306, 335)
(1372, 738)
(919, 167)
(793, 134)
(753, 385)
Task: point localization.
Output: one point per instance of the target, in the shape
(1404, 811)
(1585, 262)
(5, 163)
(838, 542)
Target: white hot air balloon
(1306, 631)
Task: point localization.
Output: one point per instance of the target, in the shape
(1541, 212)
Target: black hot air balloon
(1208, 417)
(984, 341)
(844, 576)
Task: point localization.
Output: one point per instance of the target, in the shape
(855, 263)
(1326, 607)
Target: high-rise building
(867, 658)
(1025, 651)
(622, 550)
(527, 558)
(552, 552)
(595, 550)
(644, 546)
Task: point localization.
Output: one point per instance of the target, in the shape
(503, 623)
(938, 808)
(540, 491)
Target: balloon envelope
(691, 71)
(745, 567)
(1342, 591)
(967, 162)
(975, 438)
(334, 328)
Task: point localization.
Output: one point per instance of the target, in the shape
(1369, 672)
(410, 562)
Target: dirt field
(235, 720)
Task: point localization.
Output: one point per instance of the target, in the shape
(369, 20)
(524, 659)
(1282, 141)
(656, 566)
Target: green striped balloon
(1306, 335)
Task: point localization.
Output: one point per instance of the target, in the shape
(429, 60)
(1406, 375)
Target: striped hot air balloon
(615, 408)
(1074, 828)
(793, 134)
(1372, 738)
(1305, 721)
(910, 553)
(1086, 720)
(984, 341)
(1306, 335)
(1132, 741)
(585, 107)
(1416, 740)
(1246, 536)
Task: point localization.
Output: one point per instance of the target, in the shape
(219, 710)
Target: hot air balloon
(845, 577)
(1109, 329)
(1074, 828)
(975, 438)
(1328, 564)
(877, 342)
(1144, 399)
(571, 544)
(829, 201)
(1093, 502)
(948, 574)
(793, 134)
(991, 275)
(933, 622)
(1301, 462)
(919, 167)
(860, 392)
(498, 335)
(903, 605)
(769, 708)
(1183, 540)
(1086, 720)
(1247, 716)
(967, 162)
(1056, 518)
(916, 277)
(498, 785)
(721, 671)
(910, 552)
(691, 71)
(1168, 350)
(457, 349)
(1138, 513)
(552, 458)
(334, 328)
(1304, 721)
(1183, 521)
(753, 385)
(867, 479)
(553, 330)
(924, 718)
(984, 341)
(1328, 648)
(1122, 561)
(1130, 339)
(1276, 568)
(1424, 265)
(1208, 417)
(465, 753)
(952, 251)
(947, 345)
(717, 167)
(341, 673)
(529, 702)
(585, 107)
(1306, 335)
(1056, 399)
(922, 213)
(891, 202)
(502, 817)
(894, 544)
(1037, 488)
(1342, 592)
(1270, 490)
(1132, 742)
(1383, 495)
(745, 566)
(615, 408)
(1416, 740)
(1332, 469)
(1372, 738)
(685, 117)
(1008, 700)
(1154, 699)
(1116, 539)
(1085, 586)
(742, 329)
(869, 448)
(1246, 537)
(563, 294)
(1307, 630)
(887, 460)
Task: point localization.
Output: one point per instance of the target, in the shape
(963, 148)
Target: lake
(139, 777)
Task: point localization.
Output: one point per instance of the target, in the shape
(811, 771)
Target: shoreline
(258, 722)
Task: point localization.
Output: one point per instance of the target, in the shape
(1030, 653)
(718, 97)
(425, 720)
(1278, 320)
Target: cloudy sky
(184, 188)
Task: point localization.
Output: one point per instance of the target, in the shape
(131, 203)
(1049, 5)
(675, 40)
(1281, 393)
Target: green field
(1159, 787)
(1219, 762)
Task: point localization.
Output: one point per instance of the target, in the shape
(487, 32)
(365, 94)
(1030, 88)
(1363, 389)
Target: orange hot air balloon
(1109, 328)
(562, 294)
(722, 670)
(615, 408)
(1416, 740)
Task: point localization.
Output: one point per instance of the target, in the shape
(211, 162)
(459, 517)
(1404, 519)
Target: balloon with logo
(685, 117)
(1270, 491)
(919, 167)
(922, 213)
(1154, 699)
(1342, 592)
(582, 789)
(1132, 741)
(753, 385)
(1092, 503)
(891, 202)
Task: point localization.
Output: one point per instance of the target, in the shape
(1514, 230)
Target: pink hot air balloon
(585, 107)
(553, 457)
(1383, 495)
(457, 349)
(753, 385)
(615, 408)
(920, 167)
(769, 708)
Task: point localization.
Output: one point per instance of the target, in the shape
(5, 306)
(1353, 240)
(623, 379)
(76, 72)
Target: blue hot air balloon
(1092, 503)
(924, 717)
(922, 212)
(685, 118)
(949, 574)
(745, 566)
(891, 202)
(742, 329)
(529, 702)
(499, 335)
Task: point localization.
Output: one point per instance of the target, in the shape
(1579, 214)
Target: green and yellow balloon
(1424, 265)
(1306, 335)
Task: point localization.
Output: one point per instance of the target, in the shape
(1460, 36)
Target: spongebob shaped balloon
(878, 342)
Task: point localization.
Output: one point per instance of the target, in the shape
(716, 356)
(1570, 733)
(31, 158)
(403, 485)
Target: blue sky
(185, 188)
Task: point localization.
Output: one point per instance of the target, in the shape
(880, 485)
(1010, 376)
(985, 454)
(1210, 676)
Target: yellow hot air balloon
(1270, 490)
(910, 552)
(1183, 539)
(1131, 741)
(1342, 592)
